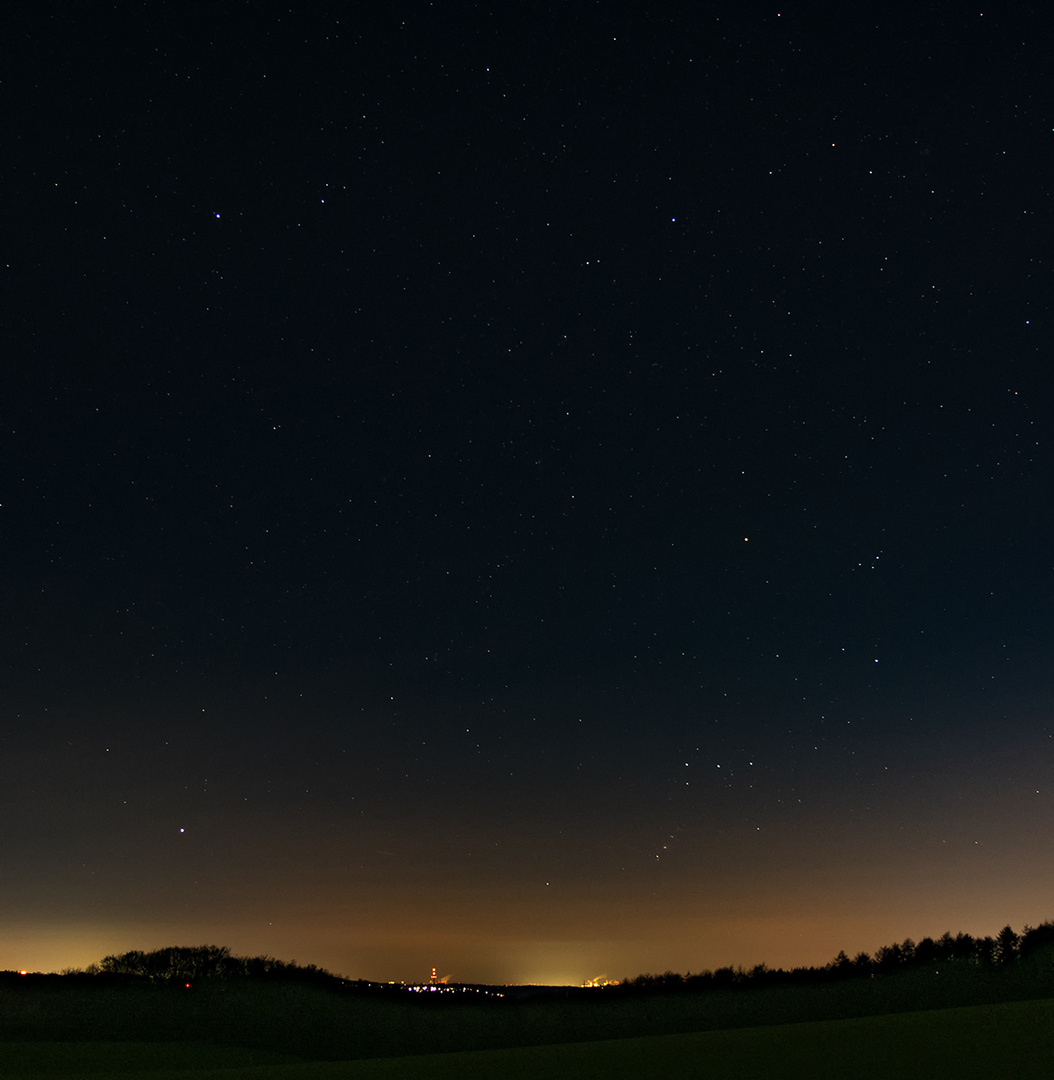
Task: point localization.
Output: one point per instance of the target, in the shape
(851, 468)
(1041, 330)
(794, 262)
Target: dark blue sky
(527, 490)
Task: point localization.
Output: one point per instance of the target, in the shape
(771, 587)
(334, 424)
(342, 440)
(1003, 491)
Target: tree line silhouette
(191, 964)
(1005, 949)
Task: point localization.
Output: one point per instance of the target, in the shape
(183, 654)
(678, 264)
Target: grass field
(1005, 1040)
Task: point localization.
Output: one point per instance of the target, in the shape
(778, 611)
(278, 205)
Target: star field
(531, 493)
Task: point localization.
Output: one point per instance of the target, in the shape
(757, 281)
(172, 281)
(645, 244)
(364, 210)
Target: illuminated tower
(434, 980)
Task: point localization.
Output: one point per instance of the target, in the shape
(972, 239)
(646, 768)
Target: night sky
(543, 490)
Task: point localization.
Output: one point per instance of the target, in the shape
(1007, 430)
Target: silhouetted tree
(966, 947)
(129, 963)
(926, 951)
(725, 976)
(944, 946)
(1035, 937)
(1006, 946)
(700, 980)
(984, 950)
(888, 956)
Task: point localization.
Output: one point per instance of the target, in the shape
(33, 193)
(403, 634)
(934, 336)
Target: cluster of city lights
(437, 985)
(443, 988)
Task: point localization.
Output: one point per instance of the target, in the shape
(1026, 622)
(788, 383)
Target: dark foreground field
(955, 1021)
(983, 1041)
